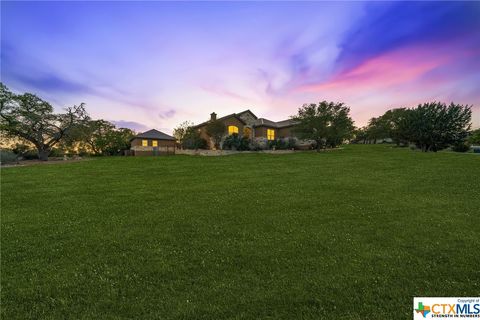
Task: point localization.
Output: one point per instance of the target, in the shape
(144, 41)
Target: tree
(474, 137)
(393, 120)
(192, 139)
(360, 135)
(181, 131)
(435, 126)
(215, 130)
(327, 123)
(101, 137)
(28, 117)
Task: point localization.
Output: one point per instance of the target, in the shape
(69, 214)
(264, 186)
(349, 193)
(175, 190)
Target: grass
(349, 234)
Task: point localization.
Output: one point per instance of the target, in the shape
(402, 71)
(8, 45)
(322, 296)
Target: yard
(348, 234)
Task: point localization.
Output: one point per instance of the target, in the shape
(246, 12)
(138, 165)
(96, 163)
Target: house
(246, 123)
(152, 143)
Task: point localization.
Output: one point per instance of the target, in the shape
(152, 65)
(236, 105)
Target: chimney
(213, 116)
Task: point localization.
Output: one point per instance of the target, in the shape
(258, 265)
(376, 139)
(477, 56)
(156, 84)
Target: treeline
(37, 132)
(430, 126)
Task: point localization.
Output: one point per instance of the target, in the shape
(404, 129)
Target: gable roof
(235, 115)
(280, 124)
(258, 121)
(154, 134)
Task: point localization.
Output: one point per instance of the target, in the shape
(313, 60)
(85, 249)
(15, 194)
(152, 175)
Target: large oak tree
(28, 117)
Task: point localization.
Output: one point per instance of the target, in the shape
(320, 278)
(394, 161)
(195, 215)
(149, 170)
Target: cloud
(135, 126)
(223, 92)
(167, 114)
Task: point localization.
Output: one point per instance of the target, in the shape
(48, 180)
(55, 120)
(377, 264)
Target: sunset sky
(155, 64)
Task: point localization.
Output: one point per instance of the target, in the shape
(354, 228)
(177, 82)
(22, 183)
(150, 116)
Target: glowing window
(144, 143)
(270, 134)
(154, 143)
(232, 130)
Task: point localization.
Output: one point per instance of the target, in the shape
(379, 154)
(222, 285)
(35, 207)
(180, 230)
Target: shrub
(7, 156)
(56, 153)
(461, 147)
(235, 142)
(282, 144)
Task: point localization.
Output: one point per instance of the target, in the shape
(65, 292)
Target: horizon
(153, 65)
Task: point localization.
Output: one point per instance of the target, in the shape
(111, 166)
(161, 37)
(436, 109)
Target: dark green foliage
(8, 157)
(461, 147)
(474, 137)
(351, 234)
(30, 118)
(430, 126)
(435, 126)
(235, 142)
(215, 130)
(191, 139)
(389, 125)
(282, 144)
(100, 137)
(327, 123)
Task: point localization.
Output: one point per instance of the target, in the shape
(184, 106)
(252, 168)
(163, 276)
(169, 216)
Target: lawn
(348, 234)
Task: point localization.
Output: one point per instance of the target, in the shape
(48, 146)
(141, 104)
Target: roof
(258, 121)
(280, 124)
(154, 134)
(236, 115)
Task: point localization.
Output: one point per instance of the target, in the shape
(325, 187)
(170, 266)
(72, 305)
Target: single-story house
(246, 123)
(152, 143)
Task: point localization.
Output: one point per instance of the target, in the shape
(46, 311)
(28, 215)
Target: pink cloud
(387, 70)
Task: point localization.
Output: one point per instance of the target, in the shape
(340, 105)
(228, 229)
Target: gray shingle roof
(269, 123)
(154, 134)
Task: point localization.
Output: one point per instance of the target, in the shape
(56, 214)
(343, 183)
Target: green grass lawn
(349, 234)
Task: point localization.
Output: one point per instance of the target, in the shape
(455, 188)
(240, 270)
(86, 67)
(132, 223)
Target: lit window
(232, 130)
(154, 143)
(144, 143)
(270, 134)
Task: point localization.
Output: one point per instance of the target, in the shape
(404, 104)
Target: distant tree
(102, 137)
(435, 126)
(30, 118)
(474, 137)
(327, 123)
(360, 135)
(192, 140)
(181, 131)
(216, 130)
(393, 122)
(94, 134)
(377, 128)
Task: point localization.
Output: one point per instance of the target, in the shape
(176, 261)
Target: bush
(25, 152)
(7, 156)
(57, 153)
(461, 147)
(234, 142)
(282, 144)
(194, 143)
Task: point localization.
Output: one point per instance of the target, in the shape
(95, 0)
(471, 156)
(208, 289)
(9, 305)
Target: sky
(148, 65)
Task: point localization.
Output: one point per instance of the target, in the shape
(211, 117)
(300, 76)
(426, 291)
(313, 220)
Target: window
(144, 143)
(270, 134)
(154, 143)
(232, 130)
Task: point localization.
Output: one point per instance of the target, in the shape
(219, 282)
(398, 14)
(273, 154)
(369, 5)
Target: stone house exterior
(246, 123)
(152, 143)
